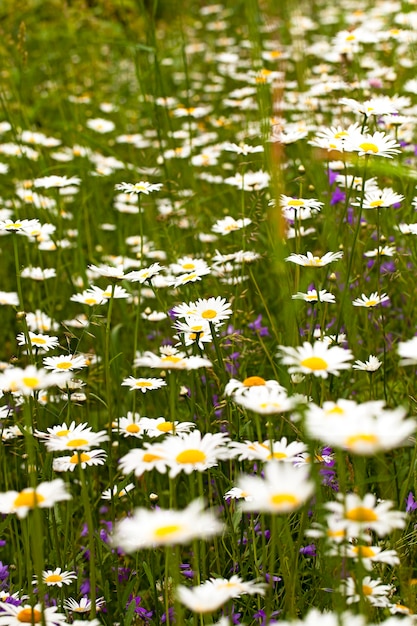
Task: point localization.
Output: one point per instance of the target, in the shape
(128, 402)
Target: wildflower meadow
(208, 305)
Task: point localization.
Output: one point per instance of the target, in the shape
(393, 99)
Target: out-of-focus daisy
(143, 384)
(11, 615)
(100, 125)
(22, 227)
(236, 493)
(283, 489)
(85, 459)
(30, 379)
(194, 452)
(45, 495)
(145, 274)
(372, 589)
(407, 350)
(170, 358)
(371, 554)
(370, 301)
(359, 515)
(188, 264)
(264, 400)
(318, 359)
(56, 181)
(56, 577)
(378, 105)
(138, 188)
(141, 460)
(115, 272)
(236, 586)
(38, 273)
(313, 296)
(189, 277)
(67, 362)
(267, 450)
(38, 341)
(309, 260)
(229, 224)
(202, 599)
(371, 365)
(159, 527)
(380, 251)
(9, 298)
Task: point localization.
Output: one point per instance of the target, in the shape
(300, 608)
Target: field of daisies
(208, 305)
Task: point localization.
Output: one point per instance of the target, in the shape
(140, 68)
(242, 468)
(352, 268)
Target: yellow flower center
(277, 455)
(76, 443)
(367, 590)
(336, 533)
(171, 359)
(376, 203)
(148, 457)
(165, 427)
(209, 314)
(143, 383)
(336, 410)
(284, 500)
(29, 616)
(370, 303)
(189, 277)
(53, 578)
(38, 341)
(364, 551)
(315, 363)
(28, 499)
(254, 381)
(341, 134)
(295, 202)
(30, 381)
(64, 365)
(90, 301)
(62, 433)
(83, 458)
(165, 531)
(369, 147)
(362, 514)
(132, 428)
(361, 438)
(191, 456)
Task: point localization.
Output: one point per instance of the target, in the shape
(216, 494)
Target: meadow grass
(208, 310)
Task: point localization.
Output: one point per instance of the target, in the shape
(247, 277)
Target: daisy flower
(9, 298)
(309, 260)
(370, 301)
(189, 277)
(313, 296)
(131, 426)
(161, 527)
(115, 272)
(381, 251)
(170, 358)
(69, 463)
(56, 577)
(283, 490)
(194, 331)
(45, 495)
(189, 264)
(160, 426)
(236, 586)
(30, 379)
(38, 341)
(379, 199)
(235, 493)
(213, 310)
(11, 615)
(138, 188)
(318, 359)
(22, 227)
(100, 125)
(265, 401)
(141, 460)
(267, 450)
(56, 181)
(38, 273)
(143, 384)
(194, 452)
(236, 387)
(145, 274)
(295, 204)
(368, 555)
(229, 224)
(79, 438)
(372, 589)
(371, 365)
(64, 362)
(83, 605)
(378, 144)
(358, 515)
